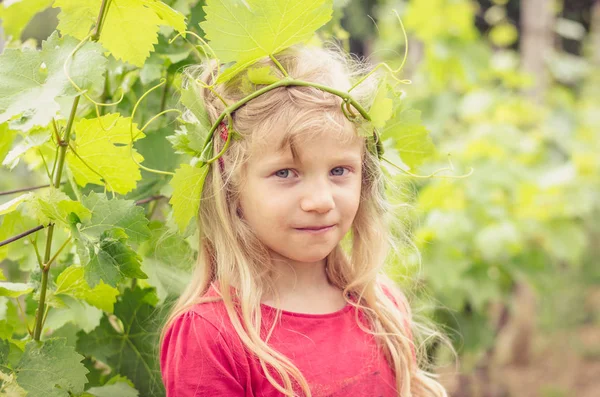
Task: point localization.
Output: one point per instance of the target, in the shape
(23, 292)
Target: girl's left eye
(283, 173)
(339, 171)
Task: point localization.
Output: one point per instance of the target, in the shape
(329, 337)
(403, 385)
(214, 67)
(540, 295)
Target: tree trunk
(537, 19)
(515, 339)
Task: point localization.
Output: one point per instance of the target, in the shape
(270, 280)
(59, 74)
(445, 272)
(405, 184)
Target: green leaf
(7, 136)
(117, 386)
(382, 108)
(102, 240)
(12, 224)
(188, 139)
(191, 98)
(410, 136)
(108, 214)
(51, 369)
(102, 144)
(168, 279)
(168, 260)
(74, 311)
(9, 384)
(34, 138)
(14, 290)
(53, 205)
(187, 188)
(29, 90)
(168, 247)
(245, 31)
(262, 75)
(16, 15)
(71, 282)
(130, 349)
(137, 20)
(12, 205)
(109, 259)
(169, 16)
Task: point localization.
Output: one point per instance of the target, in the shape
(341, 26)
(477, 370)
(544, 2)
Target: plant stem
(287, 81)
(20, 236)
(100, 20)
(63, 145)
(39, 313)
(165, 93)
(149, 199)
(25, 189)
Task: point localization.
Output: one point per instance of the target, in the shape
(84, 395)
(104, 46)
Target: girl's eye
(338, 171)
(283, 173)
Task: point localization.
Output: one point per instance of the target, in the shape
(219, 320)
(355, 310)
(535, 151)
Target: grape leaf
(16, 15)
(77, 312)
(7, 136)
(29, 91)
(102, 240)
(409, 134)
(382, 107)
(33, 139)
(137, 20)
(168, 247)
(130, 350)
(12, 205)
(117, 386)
(50, 369)
(109, 259)
(191, 98)
(53, 205)
(14, 290)
(188, 139)
(187, 188)
(12, 224)
(71, 282)
(168, 260)
(262, 75)
(108, 214)
(245, 31)
(169, 16)
(104, 152)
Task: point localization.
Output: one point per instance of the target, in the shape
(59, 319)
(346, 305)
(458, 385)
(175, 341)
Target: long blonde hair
(230, 253)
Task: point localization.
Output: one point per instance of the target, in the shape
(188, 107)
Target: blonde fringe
(231, 255)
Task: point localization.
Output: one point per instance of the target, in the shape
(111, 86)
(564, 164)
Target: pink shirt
(202, 355)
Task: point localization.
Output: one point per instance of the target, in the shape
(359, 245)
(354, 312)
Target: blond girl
(288, 297)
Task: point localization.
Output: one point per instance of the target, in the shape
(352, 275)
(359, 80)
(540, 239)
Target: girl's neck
(304, 288)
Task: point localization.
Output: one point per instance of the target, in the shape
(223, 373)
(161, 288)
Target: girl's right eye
(283, 173)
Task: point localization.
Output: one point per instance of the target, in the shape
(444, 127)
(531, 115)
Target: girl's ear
(239, 212)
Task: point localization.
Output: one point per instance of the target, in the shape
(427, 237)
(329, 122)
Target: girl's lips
(316, 230)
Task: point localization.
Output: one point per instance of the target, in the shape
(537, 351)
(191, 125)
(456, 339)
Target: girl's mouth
(316, 229)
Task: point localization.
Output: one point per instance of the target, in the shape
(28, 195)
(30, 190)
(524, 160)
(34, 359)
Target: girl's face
(282, 198)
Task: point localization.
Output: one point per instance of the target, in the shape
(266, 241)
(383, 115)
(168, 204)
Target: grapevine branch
(20, 236)
(57, 178)
(40, 227)
(25, 189)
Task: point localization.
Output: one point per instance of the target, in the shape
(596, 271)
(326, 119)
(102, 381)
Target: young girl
(279, 302)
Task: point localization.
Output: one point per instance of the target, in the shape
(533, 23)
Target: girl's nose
(317, 197)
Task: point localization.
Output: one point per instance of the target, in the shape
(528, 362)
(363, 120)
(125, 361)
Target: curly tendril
(96, 104)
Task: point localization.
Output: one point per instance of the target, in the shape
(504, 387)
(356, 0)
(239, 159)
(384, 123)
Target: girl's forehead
(281, 136)
(282, 142)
